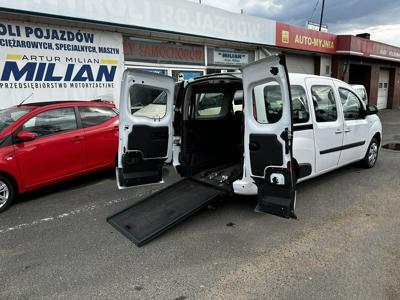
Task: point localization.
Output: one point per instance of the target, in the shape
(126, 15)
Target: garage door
(300, 63)
(383, 89)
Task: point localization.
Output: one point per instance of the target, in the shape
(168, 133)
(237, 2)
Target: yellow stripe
(14, 56)
(109, 61)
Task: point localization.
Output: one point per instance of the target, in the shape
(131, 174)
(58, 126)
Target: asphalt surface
(56, 243)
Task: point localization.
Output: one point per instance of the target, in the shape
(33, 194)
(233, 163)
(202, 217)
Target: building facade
(68, 49)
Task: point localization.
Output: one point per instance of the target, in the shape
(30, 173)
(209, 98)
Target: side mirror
(25, 136)
(371, 110)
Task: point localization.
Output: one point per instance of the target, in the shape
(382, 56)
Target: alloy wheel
(4, 193)
(372, 153)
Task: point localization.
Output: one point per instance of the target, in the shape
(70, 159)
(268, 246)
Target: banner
(163, 52)
(353, 45)
(230, 57)
(51, 63)
(183, 17)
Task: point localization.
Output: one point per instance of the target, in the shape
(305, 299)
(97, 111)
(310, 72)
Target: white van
(361, 92)
(249, 133)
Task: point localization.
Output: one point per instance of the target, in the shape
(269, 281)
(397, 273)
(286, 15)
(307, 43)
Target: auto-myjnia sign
(50, 63)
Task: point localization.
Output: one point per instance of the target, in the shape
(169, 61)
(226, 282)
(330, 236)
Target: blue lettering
(84, 70)
(38, 33)
(107, 74)
(70, 36)
(68, 73)
(40, 71)
(10, 31)
(11, 67)
(3, 29)
(28, 31)
(54, 35)
(49, 73)
(89, 37)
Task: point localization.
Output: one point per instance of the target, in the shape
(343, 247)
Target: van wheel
(6, 193)
(372, 154)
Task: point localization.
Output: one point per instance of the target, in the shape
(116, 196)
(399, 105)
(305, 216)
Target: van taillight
(289, 166)
(254, 108)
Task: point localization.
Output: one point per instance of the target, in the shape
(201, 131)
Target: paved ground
(55, 243)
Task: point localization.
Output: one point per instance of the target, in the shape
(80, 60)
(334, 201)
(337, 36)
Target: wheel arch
(377, 135)
(12, 179)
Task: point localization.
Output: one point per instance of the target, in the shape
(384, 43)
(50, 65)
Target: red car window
(95, 115)
(52, 121)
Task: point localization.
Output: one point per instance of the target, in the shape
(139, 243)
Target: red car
(44, 143)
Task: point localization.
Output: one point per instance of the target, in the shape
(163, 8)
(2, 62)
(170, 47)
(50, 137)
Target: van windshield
(9, 116)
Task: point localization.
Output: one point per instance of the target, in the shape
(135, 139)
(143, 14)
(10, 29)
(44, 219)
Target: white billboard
(51, 63)
(167, 15)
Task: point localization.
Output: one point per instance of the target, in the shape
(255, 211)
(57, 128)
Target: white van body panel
(307, 144)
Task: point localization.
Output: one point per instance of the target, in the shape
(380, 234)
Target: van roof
(292, 76)
(357, 86)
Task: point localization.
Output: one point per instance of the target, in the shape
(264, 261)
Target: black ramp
(148, 218)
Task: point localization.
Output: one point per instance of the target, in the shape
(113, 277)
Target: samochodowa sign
(50, 63)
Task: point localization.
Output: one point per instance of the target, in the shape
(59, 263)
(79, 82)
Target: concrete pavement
(55, 243)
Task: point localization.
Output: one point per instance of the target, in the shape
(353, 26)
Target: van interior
(212, 132)
(210, 124)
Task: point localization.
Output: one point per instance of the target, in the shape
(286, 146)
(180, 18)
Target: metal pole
(322, 14)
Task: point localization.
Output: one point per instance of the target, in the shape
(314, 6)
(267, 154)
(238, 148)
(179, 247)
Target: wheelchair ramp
(153, 215)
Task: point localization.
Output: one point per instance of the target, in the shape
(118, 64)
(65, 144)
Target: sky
(380, 18)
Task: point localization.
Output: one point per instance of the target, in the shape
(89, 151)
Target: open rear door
(145, 130)
(268, 135)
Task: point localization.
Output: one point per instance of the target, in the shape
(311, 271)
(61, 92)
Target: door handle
(347, 130)
(77, 138)
(338, 131)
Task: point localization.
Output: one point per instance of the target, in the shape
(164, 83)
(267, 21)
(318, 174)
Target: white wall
(326, 65)
(300, 63)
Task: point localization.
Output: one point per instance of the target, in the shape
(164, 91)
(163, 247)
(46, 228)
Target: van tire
(371, 156)
(7, 190)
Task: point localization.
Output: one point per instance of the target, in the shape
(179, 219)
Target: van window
(267, 102)
(351, 104)
(149, 102)
(300, 110)
(238, 101)
(324, 103)
(273, 104)
(209, 105)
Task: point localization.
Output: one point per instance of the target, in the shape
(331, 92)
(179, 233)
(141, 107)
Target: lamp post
(322, 14)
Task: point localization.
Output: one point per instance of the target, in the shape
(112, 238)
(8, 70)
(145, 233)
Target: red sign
(289, 36)
(163, 52)
(353, 45)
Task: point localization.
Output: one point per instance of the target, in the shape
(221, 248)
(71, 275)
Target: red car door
(100, 125)
(56, 152)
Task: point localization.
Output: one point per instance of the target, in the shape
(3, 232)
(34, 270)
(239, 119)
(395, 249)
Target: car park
(48, 142)
(291, 128)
